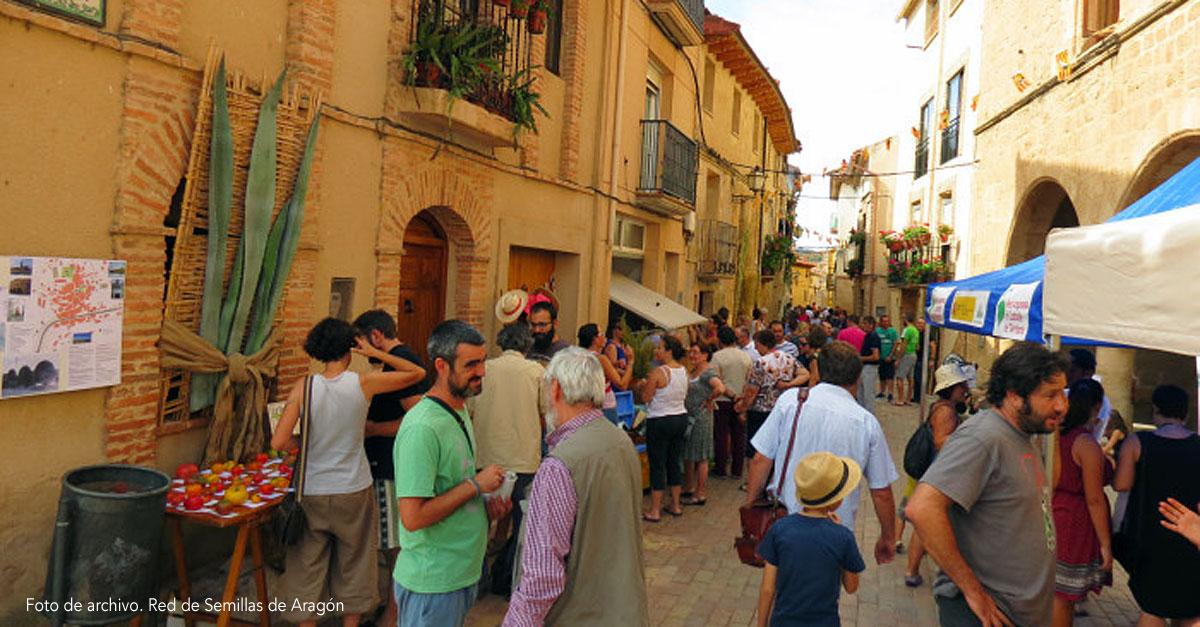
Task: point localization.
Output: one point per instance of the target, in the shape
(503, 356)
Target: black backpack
(920, 451)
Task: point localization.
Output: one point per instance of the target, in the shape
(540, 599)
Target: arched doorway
(422, 282)
(1046, 206)
(1154, 368)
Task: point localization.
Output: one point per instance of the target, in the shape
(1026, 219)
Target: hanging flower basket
(502, 3)
(537, 21)
(520, 8)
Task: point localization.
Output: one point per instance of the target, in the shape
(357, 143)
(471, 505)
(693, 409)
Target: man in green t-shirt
(443, 515)
(888, 338)
(906, 352)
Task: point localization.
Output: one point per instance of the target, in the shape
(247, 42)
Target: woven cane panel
(185, 285)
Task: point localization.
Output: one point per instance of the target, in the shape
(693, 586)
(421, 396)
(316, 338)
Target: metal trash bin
(105, 556)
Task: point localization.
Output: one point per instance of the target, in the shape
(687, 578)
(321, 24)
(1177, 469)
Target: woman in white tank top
(664, 391)
(338, 502)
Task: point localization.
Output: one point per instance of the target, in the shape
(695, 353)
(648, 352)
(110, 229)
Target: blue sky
(841, 65)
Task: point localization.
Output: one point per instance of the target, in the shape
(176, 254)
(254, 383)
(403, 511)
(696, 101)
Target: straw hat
(948, 375)
(824, 478)
(511, 305)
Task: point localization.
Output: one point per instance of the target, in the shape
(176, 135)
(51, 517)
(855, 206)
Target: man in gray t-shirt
(983, 507)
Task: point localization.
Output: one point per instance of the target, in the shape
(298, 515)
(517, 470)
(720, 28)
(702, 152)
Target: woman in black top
(1155, 466)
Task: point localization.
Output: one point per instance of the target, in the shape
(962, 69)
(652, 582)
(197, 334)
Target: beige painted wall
(252, 33)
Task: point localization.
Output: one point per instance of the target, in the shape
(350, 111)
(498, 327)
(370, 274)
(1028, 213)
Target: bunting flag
(1065, 67)
(975, 102)
(916, 133)
(944, 120)
(888, 144)
(1021, 82)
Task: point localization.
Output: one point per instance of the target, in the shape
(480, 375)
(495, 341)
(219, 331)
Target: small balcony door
(650, 132)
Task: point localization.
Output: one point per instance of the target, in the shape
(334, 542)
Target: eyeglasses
(540, 325)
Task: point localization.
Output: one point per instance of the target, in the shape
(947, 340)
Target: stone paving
(694, 577)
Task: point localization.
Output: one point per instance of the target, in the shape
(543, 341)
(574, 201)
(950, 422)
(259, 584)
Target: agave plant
(266, 249)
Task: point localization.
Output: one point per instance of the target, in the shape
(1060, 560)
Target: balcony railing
(668, 161)
(950, 141)
(921, 160)
(487, 34)
(695, 10)
(718, 246)
(921, 265)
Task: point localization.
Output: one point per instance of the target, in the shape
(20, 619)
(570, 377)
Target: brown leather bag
(758, 516)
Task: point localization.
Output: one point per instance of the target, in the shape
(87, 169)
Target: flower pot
(945, 237)
(502, 3)
(537, 22)
(428, 74)
(520, 8)
(895, 246)
(923, 239)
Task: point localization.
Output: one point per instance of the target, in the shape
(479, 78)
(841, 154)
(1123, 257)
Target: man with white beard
(579, 560)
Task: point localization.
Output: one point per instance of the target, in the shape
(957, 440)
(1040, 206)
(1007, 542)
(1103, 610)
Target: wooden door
(422, 284)
(530, 268)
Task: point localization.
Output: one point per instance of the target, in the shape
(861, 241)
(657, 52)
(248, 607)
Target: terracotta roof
(725, 41)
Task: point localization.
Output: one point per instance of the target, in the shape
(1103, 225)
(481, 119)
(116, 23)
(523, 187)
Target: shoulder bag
(287, 525)
(920, 449)
(758, 516)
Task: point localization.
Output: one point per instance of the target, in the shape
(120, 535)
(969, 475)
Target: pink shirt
(854, 336)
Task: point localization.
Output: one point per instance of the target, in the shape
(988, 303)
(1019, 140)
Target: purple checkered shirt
(549, 524)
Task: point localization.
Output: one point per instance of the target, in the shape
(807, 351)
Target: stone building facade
(1076, 147)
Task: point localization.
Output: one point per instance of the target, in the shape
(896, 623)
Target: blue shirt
(810, 554)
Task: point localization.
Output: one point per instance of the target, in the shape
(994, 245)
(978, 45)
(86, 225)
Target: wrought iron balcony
(681, 20)
(921, 161)
(718, 248)
(950, 141)
(669, 159)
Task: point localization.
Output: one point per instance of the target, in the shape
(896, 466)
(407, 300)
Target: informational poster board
(60, 328)
(1012, 311)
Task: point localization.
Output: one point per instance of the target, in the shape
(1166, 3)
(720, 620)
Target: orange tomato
(194, 489)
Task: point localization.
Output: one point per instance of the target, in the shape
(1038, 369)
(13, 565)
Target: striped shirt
(549, 525)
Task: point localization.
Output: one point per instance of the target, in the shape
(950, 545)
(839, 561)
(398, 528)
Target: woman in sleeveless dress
(614, 378)
(1154, 467)
(703, 387)
(337, 549)
(664, 391)
(1081, 516)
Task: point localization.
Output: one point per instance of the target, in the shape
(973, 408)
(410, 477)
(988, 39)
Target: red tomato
(176, 498)
(262, 458)
(224, 507)
(194, 502)
(254, 466)
(183, 471)
(266, 489)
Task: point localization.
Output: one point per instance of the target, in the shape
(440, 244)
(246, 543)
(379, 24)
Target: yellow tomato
(236, 494)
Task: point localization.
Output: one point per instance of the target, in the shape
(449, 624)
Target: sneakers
(879, 395)
(914, 581)
(899, 548)
(889, 398)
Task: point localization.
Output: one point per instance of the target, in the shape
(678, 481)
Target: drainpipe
(605, 221)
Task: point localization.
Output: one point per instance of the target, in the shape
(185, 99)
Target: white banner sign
(970, 308)
(1012, 311)
(61, 324)
(938, 297)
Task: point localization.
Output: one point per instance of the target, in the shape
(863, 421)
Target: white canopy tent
(649, 304)
(1133, 282)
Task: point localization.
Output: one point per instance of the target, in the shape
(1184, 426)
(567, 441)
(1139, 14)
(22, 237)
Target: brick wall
(574, 55)
(157, 125)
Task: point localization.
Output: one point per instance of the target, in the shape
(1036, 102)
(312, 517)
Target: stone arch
(1161, 163)
(1154, 368)
(459, 204)
(1045, 206)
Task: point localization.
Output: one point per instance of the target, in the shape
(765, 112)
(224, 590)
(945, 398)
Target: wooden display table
(248, 525)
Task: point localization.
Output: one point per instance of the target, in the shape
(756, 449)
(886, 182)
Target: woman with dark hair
(1154, 467)
(704, 387)
(338, 547)
(1080, 505)
(664, 392)
(615, 379)
(615, 349)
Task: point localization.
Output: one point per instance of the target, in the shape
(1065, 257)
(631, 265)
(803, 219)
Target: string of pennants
(812, 234)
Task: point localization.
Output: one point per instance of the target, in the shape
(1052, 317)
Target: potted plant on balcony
(896, 270)
(778, 254)
(502, 3)
(539, 15)
(423, 62)
(893, 240)
(916, 235)
(854, 268)
(858, 238)
(520, 8)
(944, 232)
(523, 101)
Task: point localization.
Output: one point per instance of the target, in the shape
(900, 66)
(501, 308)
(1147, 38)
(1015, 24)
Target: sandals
(675, 514)
(648, 519)
(914, 581)
(695, 501)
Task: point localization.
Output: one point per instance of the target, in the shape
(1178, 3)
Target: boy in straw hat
(809, 553)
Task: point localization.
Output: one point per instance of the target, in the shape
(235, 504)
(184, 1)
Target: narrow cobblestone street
(695, 578)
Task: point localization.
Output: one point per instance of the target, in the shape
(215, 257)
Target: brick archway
(1045, 205)
(459, 203)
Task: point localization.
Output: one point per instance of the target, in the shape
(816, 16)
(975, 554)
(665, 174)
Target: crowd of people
(512, 474)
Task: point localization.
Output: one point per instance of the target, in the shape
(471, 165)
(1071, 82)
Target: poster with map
(60, 324)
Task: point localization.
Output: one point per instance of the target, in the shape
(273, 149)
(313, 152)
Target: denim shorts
(447, 609)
